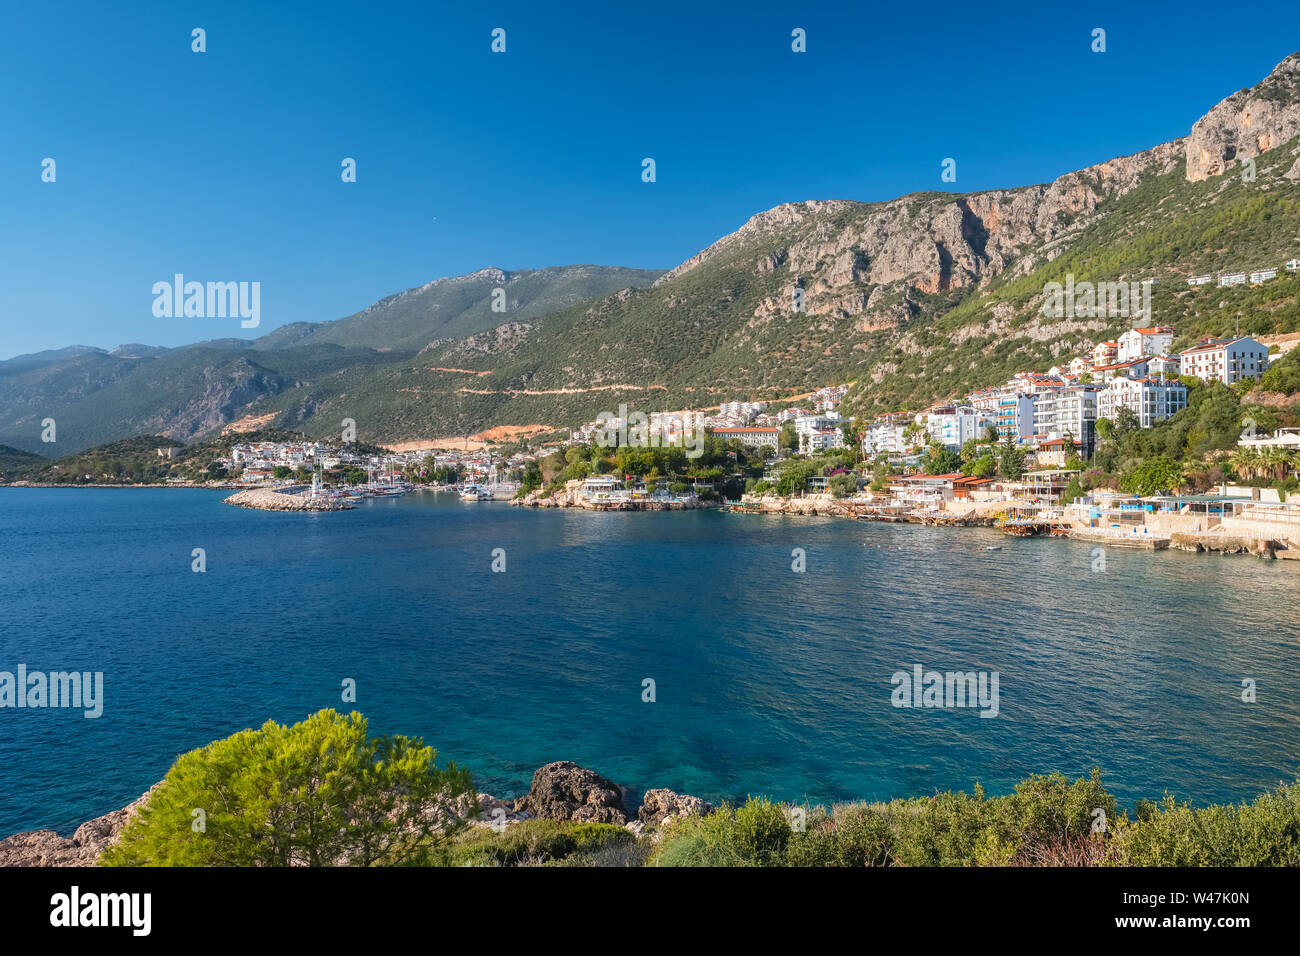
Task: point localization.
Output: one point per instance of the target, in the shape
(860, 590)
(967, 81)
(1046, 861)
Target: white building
(1137, 343)
(1151, 399)
(750, 436)
(954, 425)
(1133, 368)
(1287, 438)
(675, 423)
(1075, 415)
(1105, 353)
(807, 424)
(1262, 275)
(1232, 278)
(884, 436)
(1015, 419)
(741, 411)
(1200, 280)
(1164, 365)
(1225, 360)
(823, 439)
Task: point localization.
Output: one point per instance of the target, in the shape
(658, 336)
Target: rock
(1246, 124)
(493, 811)
(660, 805)
(269, 499)
(565, 791)
(47, 848)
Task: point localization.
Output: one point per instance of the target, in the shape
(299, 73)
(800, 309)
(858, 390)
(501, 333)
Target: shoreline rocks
(83, 848)
(561, 791)
(569, 499)
(564, 791)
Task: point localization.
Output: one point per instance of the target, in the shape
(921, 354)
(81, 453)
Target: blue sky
(225, 165)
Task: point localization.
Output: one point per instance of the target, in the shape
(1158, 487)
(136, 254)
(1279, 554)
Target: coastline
(1264, 543)
(573, 499)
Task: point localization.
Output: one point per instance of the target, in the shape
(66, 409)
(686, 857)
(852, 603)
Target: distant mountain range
(915, 299)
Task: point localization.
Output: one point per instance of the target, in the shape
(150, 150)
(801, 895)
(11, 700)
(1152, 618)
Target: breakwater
(284, 499)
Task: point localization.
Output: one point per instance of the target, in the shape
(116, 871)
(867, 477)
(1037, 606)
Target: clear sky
(225, 165)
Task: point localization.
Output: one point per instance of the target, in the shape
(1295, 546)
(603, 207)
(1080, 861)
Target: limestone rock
(657, 806)
(565, 791)
(47, 848)
(1246, 124)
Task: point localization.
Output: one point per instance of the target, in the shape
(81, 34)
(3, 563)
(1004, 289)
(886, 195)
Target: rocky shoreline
(560, 791)
(570, 499)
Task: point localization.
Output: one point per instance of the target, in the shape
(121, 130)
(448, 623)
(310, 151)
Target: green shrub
(317, 793)
(1263, 833)
(532, 842)
(761, 832)
(700, 841)
(529, 841)
(855, 835)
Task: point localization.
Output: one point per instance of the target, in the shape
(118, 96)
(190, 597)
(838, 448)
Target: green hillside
(461, 305)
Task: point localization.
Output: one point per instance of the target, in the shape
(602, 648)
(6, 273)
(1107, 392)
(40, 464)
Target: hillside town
(1012, 456)
(947, 463)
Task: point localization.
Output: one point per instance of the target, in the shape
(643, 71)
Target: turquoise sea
(766, 680)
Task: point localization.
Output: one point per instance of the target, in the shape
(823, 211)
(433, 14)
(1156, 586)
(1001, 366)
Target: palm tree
(1245, 461)
(1276, 460)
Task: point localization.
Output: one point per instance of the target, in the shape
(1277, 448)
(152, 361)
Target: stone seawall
(287, 499)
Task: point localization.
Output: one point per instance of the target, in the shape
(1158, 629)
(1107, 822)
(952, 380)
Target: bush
(1048, 820)
(536, 842)
(1263, 833)
(699, 841)
(855, 835)
(317, 793)
(761, 832)
(530, 841)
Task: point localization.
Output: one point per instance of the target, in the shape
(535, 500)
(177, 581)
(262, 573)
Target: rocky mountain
(458, 306)
(1247, 124)
(917, 299)
(97, 395)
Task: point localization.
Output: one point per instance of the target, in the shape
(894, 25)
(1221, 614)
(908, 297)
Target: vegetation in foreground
(324, 793)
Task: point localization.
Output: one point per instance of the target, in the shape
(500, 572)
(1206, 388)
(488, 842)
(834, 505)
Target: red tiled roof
(1211, 346)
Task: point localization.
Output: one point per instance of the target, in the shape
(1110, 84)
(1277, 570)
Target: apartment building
(750, 436)
(1138, 343)
(954, 425)
(1225, 360)
(1070, 413)
(1015, 416)
(1133, 368)
(1151, 399)
(1105, 353)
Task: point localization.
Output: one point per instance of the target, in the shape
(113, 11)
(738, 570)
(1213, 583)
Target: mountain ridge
(915, 298)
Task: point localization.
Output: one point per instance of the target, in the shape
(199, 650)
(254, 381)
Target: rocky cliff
(1247, 124)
